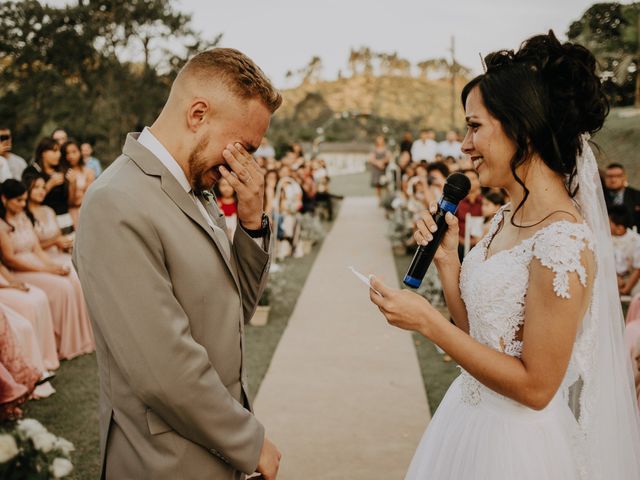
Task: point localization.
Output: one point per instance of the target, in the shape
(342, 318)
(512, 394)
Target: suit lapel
(182, 199)
(218, 217)
(151, 165)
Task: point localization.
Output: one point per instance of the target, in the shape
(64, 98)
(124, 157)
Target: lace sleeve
(559, 247)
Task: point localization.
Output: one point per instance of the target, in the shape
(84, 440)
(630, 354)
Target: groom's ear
(197, 113)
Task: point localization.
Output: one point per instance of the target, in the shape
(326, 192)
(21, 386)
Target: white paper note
(363, 279)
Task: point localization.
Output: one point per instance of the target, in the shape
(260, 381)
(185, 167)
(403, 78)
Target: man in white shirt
(425, 147)
(450, 147)
(626, 250)
(11, 165)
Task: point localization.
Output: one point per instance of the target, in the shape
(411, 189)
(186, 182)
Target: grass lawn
(72, 412)
(437, 374)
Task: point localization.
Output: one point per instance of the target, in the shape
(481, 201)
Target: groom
(169, 293)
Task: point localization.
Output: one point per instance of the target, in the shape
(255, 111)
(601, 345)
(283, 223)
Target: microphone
(455, 189)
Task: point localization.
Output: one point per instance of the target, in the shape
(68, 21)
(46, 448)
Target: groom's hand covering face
(247, 179)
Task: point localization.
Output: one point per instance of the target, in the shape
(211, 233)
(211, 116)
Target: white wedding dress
(477, 433)
(591, 428)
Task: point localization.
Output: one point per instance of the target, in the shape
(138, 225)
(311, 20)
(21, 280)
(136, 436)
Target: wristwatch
(262, 231)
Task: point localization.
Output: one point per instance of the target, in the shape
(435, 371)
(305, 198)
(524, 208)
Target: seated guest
(79, 176)
(632, 341)
(626, 250)
(491, 203)
(618, 192)
(28, 344)
(16, 163)
(228, 204)
(437, 173)
(270, 182)
(43, 219)
(633, 312)
(31, 303)
(18, 377)
(309, 189)
(471, 204)
(89, 160)
(409, 173)
(47, 164)
(452, 164)
(22, 252)
(324, 198)
(60, 136)
(406, 143)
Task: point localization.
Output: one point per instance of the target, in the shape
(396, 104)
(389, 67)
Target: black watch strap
(262, 231)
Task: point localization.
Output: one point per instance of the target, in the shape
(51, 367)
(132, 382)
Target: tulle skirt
(477, 434)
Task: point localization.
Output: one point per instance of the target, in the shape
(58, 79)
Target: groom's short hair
(237, 71)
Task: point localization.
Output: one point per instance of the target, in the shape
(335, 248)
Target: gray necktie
(219, 225)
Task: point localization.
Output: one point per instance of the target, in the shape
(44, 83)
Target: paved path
(343, 397)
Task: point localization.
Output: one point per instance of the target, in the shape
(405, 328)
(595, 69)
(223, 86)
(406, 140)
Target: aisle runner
(343, 397)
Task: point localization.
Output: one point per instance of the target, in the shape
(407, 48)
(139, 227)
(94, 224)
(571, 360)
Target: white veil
(608, 409)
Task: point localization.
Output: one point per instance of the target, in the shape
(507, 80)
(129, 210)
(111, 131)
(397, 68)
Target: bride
(546, 389)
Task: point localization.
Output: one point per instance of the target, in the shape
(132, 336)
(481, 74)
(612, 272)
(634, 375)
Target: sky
(282, 35)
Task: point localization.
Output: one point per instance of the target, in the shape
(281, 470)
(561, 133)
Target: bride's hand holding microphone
(406, 309)
(437, 237)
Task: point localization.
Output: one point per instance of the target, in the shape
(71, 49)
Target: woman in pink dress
(52, 241)
(22, 252)
(26, 340)
(32, 303)
(79, 176)
(17, 377)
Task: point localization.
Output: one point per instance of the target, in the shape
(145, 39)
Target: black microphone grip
(424, 255)
(454, 190)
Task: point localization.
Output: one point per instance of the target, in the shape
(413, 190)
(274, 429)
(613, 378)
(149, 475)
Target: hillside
(421, 102)
(619, 142)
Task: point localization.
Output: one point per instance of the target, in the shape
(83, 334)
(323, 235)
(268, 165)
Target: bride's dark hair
(546, 95)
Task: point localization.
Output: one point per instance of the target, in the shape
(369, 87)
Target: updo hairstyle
(546, 95)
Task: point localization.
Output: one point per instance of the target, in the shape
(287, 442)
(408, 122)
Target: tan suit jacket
(168, 310)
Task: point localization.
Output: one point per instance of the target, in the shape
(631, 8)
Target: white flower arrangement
(8, 447)
(29, 451)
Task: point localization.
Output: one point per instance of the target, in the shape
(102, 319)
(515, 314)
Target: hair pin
(484, 65)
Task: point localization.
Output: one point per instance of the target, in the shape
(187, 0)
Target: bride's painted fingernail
(433, 227)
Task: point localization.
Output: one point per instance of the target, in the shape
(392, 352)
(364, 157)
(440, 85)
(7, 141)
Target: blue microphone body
(456, 188)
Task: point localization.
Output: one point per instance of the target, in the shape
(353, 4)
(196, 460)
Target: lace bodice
(494, 289)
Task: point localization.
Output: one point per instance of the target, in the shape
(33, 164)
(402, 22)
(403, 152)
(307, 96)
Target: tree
(311, 72)
(612, 32)
(66, 67)
(354, 61)
(438, 67)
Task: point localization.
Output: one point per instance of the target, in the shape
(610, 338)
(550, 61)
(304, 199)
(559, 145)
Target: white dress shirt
(450, 149)
(424, 150)
(5, 171)
(17, 164)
